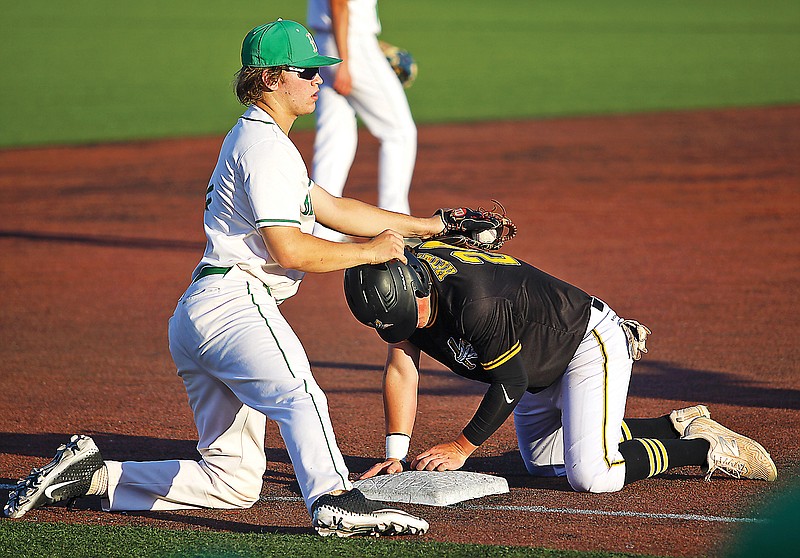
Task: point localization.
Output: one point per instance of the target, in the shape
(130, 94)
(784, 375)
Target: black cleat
(351, 514)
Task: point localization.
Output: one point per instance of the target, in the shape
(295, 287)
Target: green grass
(600, 57)
(55, 540)
(91, 70)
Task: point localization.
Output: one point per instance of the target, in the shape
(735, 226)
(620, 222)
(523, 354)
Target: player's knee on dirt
(596, 478)
(234, 490)
(236, 481)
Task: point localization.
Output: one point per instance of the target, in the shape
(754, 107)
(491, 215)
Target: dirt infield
(688, 222)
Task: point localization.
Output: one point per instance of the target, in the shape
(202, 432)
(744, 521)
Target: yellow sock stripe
(650, 456)
(659, 459)
(664, 456)
(626, 433)
(656, 455)
(505, 357)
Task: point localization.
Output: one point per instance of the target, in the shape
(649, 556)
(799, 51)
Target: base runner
(557, 358)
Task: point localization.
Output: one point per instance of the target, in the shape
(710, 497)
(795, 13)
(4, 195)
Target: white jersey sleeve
(274, 183)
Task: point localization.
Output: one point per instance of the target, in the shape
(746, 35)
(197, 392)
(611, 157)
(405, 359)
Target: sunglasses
(304, 73)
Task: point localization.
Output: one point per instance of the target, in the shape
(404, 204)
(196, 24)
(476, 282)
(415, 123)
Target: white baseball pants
(241, 363)
(573, 427)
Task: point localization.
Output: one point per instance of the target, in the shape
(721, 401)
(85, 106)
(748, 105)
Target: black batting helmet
(384, 296)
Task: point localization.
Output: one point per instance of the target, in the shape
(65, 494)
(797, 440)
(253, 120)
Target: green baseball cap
(282, 43)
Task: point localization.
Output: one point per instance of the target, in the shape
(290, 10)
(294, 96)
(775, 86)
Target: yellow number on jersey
(472, 256)
(478, 257)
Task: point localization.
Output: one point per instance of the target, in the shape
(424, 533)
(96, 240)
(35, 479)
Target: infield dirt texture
(684, 220)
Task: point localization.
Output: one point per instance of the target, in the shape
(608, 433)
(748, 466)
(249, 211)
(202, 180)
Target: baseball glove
(476, 228)
(401, 62)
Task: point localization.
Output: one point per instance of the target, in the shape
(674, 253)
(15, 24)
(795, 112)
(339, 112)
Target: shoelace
(33, 480)
(35, 477)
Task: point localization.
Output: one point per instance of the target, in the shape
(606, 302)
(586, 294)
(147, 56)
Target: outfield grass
(94, 71)
(55, 540)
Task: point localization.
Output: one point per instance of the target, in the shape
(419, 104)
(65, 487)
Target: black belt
(597, 304)
(211, 270)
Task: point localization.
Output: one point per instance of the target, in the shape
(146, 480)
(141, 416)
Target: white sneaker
(351, 514)
(66, 477)
(682, 417)
(731, 453)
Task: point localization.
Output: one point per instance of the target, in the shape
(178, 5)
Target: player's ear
(270, 78)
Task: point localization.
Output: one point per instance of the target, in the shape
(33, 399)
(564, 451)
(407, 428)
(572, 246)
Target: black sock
(660, 428)
(646, 457)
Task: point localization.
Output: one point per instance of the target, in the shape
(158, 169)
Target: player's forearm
(357, 218)
(340, 22)
(293, 249)
(399, 402)
(497, 405)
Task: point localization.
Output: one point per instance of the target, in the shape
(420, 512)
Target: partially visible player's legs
(380, 101)
(230, 435)
(263, 363)
(336, 138)
(666, 427)
(335, 142)
(653, 445)
(537, 420)
(286, 392)
(229, 475)
(650, 447)
(602, 453)
(594, 390)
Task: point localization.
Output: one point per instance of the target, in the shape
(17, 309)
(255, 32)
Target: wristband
(397, 445)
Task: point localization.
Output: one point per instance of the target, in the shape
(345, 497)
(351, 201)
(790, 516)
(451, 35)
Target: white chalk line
(543, 509)
(643, 515)
(575, 511)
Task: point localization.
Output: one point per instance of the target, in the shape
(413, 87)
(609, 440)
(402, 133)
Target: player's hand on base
(443, 457)
(385, 247)
(388, 467)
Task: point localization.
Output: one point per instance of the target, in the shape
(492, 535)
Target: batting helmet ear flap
(383, 296)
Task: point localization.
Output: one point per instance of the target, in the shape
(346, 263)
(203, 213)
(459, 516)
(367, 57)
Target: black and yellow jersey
(491, 307)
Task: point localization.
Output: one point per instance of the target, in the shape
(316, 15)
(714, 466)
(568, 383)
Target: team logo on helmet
(377, 324)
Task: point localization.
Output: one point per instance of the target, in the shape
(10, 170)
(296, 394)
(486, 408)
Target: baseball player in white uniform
(363, 85)
(239, 359)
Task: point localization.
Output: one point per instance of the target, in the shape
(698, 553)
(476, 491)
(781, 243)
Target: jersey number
(472, 256)
(478, 257)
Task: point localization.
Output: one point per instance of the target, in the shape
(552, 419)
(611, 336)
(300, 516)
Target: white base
(432, 488)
